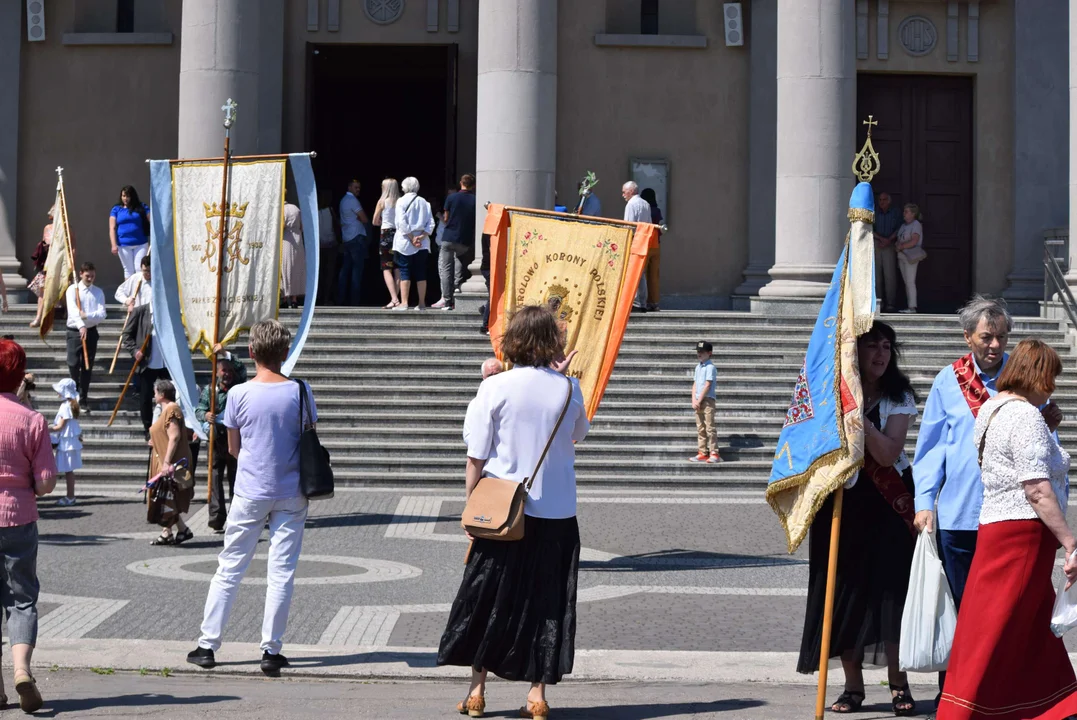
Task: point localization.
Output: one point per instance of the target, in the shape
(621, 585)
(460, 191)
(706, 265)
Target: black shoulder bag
(315, 470)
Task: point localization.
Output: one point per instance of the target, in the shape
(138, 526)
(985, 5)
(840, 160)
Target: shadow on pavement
(645, 712)
(679, 559)
(350, 520)
(412, 659)
(58, 707)
(68, 539)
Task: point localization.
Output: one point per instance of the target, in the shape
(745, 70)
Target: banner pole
(71, 259)
(145, 344)
(222, 235)
(828, 605)
(119, 340)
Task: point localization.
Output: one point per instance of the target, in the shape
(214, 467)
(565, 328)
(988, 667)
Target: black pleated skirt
(874, 561)
(515, 612)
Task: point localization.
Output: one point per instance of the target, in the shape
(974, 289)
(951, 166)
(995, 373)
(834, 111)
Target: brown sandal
(472, 706)
(29, 696)
(536, 711)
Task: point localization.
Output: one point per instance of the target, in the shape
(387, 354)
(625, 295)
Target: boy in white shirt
(82, 325)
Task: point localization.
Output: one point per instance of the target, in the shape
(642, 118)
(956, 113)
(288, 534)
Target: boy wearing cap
(703, 399)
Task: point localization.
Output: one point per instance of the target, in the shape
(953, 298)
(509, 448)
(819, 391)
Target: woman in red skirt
(1006, 664)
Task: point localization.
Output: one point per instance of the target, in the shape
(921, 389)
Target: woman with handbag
(171, 458)
(264, 431)
(910, 242)
(1005, 663)
(38, 258)
(515, 612)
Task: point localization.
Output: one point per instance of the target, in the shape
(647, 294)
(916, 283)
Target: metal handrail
(1053, 275)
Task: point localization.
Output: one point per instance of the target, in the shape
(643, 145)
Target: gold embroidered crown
(216, 210)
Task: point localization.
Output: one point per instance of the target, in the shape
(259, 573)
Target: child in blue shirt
(703, 399)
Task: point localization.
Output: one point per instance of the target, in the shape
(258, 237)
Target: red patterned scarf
(972, 387)
(889, 481)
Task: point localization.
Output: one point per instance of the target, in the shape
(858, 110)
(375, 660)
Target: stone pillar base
(470, 303)
(13, 281)
(1025, 293)
(771, 305)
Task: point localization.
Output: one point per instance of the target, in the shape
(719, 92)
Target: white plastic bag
(1064, 616)
(929, 619)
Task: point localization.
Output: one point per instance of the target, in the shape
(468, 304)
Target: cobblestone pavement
(692, 588)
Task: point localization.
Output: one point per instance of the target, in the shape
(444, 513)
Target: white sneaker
(441, 304)
(400, 308)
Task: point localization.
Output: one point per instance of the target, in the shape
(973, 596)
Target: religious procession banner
(821, 445)
(171, 265)
(586, 269)
(250, 276)
(57, 263)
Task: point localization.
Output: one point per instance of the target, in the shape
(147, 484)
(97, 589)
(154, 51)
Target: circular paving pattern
(313, 569)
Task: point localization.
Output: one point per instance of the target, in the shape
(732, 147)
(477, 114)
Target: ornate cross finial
(229, 109)
(59, 170)
(866, 163)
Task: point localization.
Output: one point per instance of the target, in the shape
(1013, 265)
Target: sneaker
(202, 657)
(271, 664)
(400, 308)
(908, 311)
(701, 457)
(714, 459)
(652, 307)
(441, 304)
(65, 502)
(421, 308)
(450, 306)
(638, 309)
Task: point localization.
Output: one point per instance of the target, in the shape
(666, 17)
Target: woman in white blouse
(1005, 661)
(910, 235)
(411, 242)
(515, 612)
(876, 542)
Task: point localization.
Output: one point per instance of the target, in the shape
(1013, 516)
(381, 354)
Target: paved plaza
(683, 594)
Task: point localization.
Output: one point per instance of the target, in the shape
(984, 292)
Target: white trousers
(246, 518)
(131, 258)
(908, 274)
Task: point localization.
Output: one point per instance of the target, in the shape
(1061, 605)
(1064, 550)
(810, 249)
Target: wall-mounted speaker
(35, 20)
(734, 24)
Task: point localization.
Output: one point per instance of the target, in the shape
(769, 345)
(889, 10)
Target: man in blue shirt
(887, 222)
(457, 240)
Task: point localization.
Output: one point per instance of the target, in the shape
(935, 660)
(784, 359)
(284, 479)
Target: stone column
(218, 60)
(1071, 277)
(516, 129)
(816, 137)
(1041, 141)
(11, 25)
(762, 135)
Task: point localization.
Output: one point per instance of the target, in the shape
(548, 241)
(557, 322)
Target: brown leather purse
(495, 509)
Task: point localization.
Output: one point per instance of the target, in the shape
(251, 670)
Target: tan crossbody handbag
(495, 510)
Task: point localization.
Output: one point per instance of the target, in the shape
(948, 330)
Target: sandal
(29, 696)
(164, 539)
(183, 536)
(472, 706)
(903, 702)
(850, 700)
(390, 306)
(536, 710)
(35, 323)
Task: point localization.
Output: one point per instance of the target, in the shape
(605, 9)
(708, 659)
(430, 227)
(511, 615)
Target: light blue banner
(307, 191)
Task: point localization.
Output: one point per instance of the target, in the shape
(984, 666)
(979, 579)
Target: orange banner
(586, 269)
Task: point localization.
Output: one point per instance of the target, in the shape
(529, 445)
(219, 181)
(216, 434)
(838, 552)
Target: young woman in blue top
(128, 226)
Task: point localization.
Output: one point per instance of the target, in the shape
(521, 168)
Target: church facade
(743, 116)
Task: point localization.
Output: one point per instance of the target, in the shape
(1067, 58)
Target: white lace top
(1019, 448)
(888, 407)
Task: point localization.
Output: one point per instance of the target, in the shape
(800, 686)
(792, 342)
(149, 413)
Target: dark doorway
(378, 111)
(924, 141)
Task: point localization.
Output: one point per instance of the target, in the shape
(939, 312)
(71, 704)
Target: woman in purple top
(27, 469)
(129, 230)
(262, 417)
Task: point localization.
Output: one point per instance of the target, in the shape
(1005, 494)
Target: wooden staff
(142, 350)
(71, 260)
(828, 605)
(119, 340)
(222, 234)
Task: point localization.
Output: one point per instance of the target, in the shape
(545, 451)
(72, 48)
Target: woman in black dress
(876, 542)
(515, 612)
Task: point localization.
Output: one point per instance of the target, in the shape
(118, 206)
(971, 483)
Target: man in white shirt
(354, 249)
(636, 210)
(136, 290)
(411, 244)
(82, 325)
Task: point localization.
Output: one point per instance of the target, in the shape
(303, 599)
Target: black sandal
(163, 539)
(851, 700)
(183, 536)
(903, 697)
